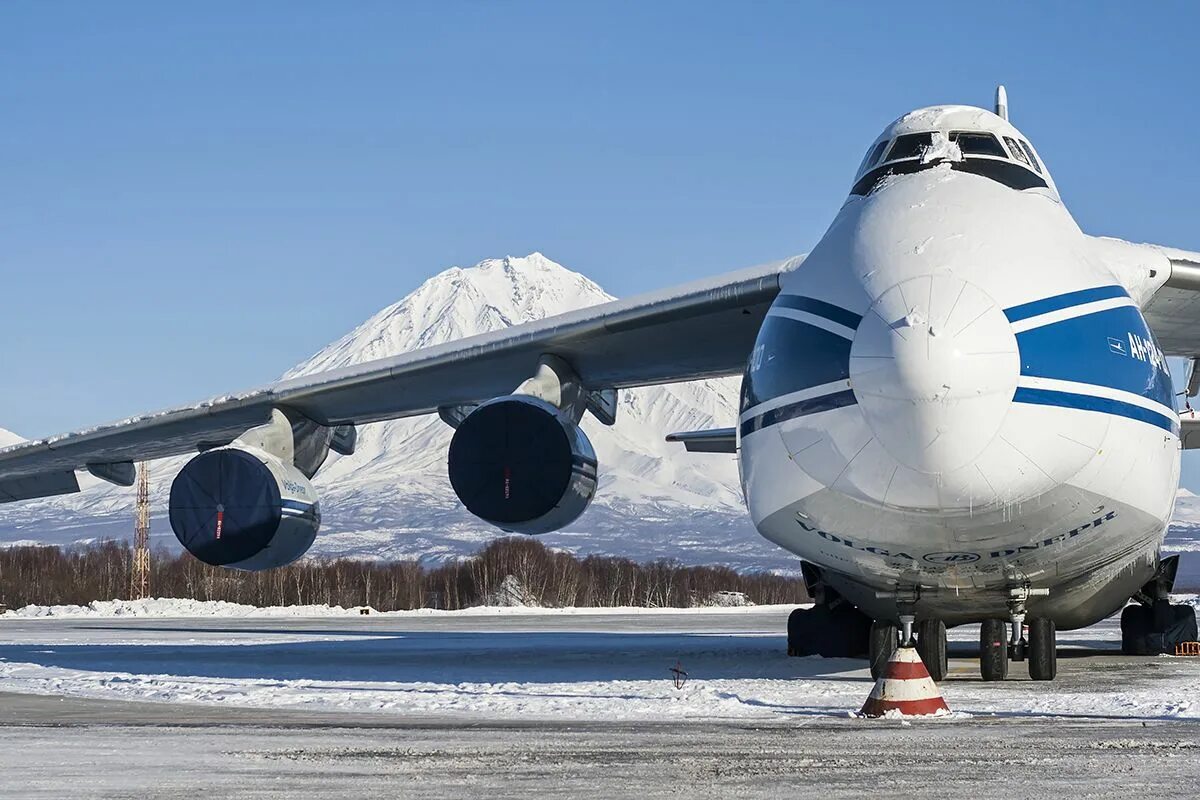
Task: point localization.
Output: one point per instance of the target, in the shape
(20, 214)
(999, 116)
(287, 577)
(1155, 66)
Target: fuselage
(955, 394)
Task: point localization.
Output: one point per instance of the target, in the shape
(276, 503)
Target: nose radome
(934, 366)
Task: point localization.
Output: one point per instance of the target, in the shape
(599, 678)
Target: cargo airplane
(955, 409)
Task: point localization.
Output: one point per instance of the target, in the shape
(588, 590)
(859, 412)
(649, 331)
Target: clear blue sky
(194, 197)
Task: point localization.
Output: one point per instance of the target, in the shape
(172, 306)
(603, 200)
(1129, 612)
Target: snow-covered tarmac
(498, 664)
(269, 694)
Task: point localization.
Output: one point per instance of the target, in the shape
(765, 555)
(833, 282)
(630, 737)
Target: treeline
(77, 576)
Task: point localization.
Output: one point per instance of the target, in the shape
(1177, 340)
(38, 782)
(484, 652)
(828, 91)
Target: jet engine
(243, 508)
(523, 465)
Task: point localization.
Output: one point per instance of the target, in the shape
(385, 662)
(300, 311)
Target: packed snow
(171, 607)
(521, 663)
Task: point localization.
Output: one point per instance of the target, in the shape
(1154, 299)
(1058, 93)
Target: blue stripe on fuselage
(820, 308)
(801, 408)
(789, 356)
(1098, 349)
(792, 355)
(1088, 402)
(1061, 301)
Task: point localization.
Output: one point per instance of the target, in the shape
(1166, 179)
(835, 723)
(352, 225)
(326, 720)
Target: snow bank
(178, 607)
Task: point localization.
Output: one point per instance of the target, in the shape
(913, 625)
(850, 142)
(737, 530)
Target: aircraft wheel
(1043, 650)
(993, 650)
(800, 630)
(931, 646)
(885, 638)
(1135, 627)
(1147, 631)
(839, 631)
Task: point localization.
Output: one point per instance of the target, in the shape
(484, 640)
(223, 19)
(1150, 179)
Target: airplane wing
(699, 330)
(1173, 310)
(1165, 281)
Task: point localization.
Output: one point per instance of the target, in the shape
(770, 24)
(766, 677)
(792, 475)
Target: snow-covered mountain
(392, 497)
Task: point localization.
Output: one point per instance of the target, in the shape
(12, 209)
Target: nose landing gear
(1040, 649)
(930, 643)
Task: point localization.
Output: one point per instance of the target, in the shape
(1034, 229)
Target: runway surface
(526, 704)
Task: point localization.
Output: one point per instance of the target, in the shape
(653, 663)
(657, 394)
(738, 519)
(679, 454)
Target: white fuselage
(954, 395)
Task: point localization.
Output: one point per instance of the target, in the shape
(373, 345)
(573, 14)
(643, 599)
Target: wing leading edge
(699, 330)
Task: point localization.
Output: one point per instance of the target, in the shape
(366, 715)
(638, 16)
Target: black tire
(931, 646)
(1043, 649)
(885, 638)
(848, 634)
(1184, 627)
(840, 631)
(1135, 628)
(800, 638)
(993, 650)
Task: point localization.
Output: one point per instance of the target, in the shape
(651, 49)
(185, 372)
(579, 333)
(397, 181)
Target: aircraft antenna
(140, 577)
(1002, 103)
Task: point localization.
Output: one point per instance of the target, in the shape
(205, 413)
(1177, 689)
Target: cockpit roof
(945, 118)
(952, 121)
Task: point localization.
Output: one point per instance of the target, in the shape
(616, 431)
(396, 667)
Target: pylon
(139, 579)
(905, 689)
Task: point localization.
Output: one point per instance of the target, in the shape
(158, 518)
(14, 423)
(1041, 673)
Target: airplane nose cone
(934, 366)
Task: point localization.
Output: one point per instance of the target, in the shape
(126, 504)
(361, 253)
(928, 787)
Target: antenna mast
(140, 577)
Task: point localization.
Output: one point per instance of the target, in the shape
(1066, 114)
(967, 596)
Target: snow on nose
(934, 366)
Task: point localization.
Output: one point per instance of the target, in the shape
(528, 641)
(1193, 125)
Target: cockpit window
(910, 145)
(977, 144)
(1032, 158)
(1017, 168)
(872, 156)
(1016, 150)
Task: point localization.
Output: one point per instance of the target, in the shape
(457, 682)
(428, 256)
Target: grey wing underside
(699, 330)
(1173, 311)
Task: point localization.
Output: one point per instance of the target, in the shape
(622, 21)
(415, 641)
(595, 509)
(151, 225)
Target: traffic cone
(905, 689)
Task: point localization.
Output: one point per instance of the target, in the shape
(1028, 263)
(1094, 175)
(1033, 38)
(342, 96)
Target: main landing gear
(1152, 624)
(832, 628)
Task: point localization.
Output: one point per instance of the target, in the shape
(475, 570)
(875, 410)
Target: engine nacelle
(522, 465)
(242, 508)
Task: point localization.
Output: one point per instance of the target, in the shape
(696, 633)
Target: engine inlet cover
(520, 464)
(238, 508)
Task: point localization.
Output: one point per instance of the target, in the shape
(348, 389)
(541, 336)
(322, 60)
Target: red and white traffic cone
(905, 689)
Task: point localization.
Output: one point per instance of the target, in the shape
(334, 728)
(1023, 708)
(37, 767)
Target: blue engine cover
(231, 508)
(520, 464)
